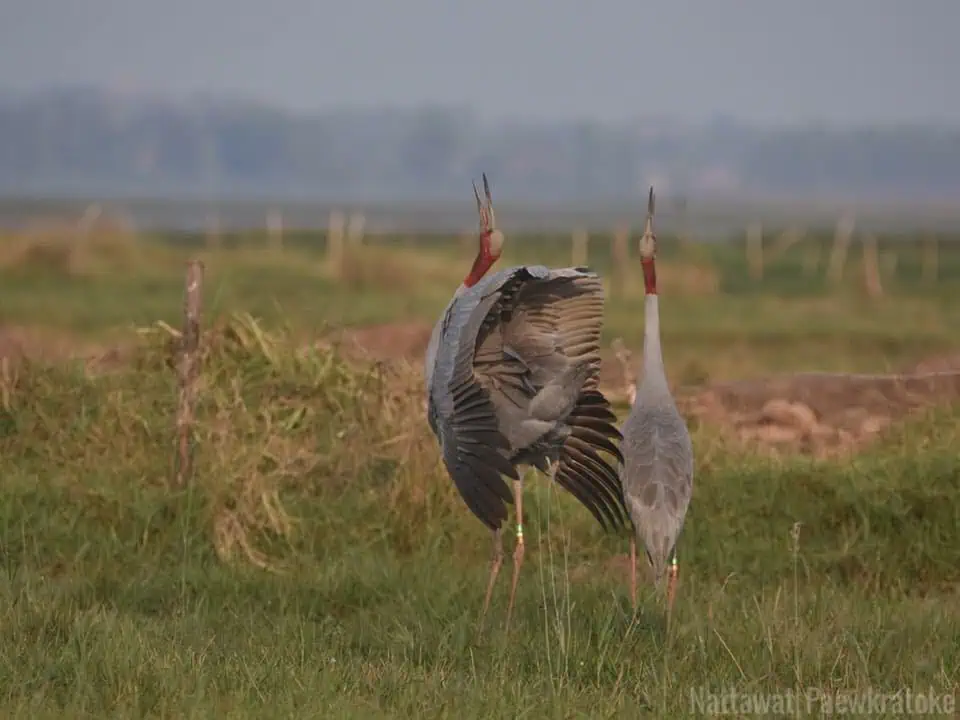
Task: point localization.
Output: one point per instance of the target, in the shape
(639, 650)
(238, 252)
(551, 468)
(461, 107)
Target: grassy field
(321, 563)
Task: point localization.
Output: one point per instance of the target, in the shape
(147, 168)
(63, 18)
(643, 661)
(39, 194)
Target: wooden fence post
(188, 371)
(623, 356)
(275, 229)
(871, 266)
(335, 230)
(838, 253)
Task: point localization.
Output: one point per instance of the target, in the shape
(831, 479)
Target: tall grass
(321, 563)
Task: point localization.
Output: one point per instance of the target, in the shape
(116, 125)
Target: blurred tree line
(84, 140)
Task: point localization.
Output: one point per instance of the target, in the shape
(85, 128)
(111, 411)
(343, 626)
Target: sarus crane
(512, 372)
(657, 467)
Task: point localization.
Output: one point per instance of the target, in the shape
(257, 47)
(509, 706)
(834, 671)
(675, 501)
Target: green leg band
(519, 531)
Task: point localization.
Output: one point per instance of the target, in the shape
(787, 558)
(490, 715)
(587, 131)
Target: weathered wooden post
(871, 267)
(841, 244)
(275, 229)
(335, 230)
(188, 371)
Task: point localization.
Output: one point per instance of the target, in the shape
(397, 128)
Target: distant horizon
(82, 141)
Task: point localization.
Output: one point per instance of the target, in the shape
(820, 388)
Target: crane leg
(673, 575)
(495, 565)
(518, 550)
(633, 572)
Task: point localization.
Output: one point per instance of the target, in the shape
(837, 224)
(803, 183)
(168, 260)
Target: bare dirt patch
(819, 414)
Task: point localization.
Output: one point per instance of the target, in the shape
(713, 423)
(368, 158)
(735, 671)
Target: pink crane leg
(518, 551)
(495, 566)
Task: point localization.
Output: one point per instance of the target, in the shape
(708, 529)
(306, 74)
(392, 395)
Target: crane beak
(491, 239)
(648, 241)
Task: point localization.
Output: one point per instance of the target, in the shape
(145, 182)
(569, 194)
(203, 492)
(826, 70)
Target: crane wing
(554, 327)
(475, 451)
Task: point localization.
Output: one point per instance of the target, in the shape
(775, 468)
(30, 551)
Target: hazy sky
(759, 60)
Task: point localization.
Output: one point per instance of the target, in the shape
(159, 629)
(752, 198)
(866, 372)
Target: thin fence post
(871, 266)
(335, 230)
(623, 356)
(838, 253)
(188, 370)
(275, 229)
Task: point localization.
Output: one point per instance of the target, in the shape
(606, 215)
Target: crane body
(658, 462)
(512, 372)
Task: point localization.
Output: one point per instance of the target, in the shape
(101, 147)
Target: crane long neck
(653, 372)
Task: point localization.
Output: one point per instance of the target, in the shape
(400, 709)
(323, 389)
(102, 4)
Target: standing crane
(657, 468)
(512, 373)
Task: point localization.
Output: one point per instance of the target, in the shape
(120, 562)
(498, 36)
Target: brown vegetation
(817, 414)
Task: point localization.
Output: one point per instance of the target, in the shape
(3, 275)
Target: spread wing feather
(502, 343)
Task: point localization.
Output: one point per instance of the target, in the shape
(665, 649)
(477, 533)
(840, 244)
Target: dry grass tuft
(273, 415)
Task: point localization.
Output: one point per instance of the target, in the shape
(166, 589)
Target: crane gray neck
(654, 376)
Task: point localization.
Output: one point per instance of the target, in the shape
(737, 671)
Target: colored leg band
(519, 530)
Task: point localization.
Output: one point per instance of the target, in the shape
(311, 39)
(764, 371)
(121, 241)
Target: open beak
(485, 207)
(648, 241)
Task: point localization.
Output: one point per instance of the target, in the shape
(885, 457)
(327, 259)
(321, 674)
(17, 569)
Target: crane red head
(648, 250)
(491, 239)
